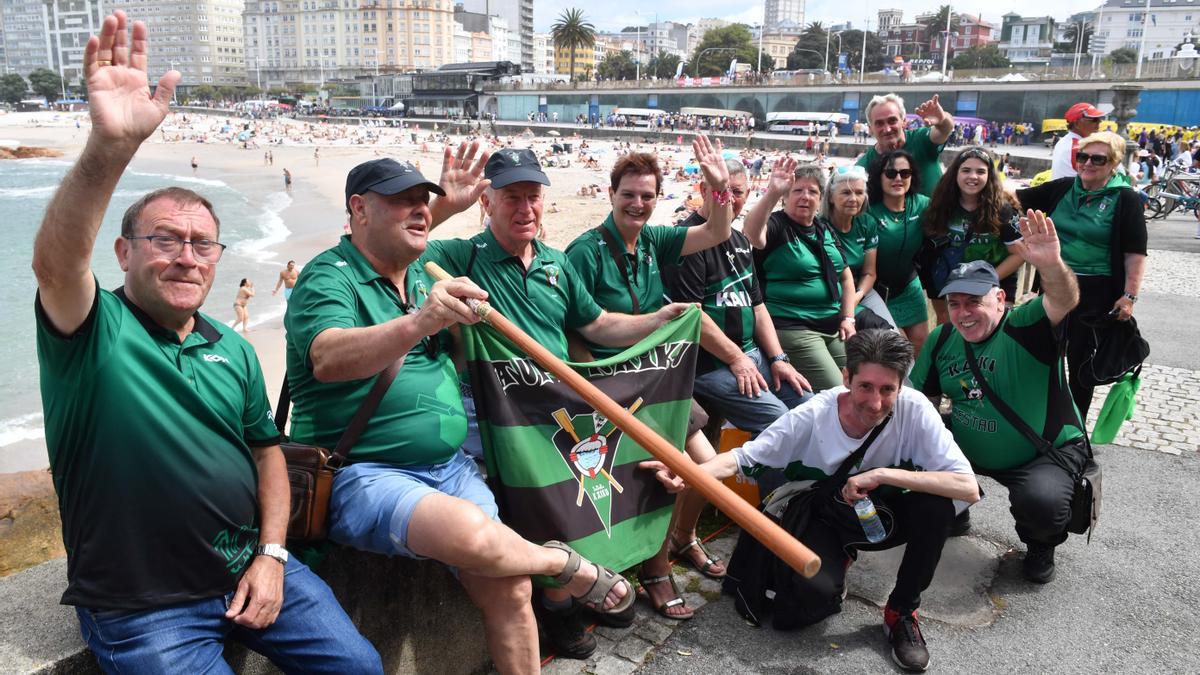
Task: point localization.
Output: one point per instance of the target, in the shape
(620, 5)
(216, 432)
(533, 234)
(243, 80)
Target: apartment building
(47, 34)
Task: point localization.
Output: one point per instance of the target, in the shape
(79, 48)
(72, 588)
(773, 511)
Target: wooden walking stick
(782, 544)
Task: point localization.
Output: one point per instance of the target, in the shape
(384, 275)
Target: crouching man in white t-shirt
(913, 471)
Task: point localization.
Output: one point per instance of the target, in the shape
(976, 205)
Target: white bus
(799, 122)
(641, 117)
(713, 112)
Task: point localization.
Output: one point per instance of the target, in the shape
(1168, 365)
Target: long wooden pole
(784, 545)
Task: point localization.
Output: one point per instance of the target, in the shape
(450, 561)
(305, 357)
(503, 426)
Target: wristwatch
(781, 357)
(1129, 296)
(273, 551)
(848, 318)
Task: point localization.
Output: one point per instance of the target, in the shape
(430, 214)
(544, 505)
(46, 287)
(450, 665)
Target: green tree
(572, 31)
(227, 92)
(1123, 55)
(936, 23)
(809, 51)
(12, 88)
(733, 42)
(663, 65)
(205, 92)
(852, 45)
(617, 66)
(250, 91)
(46, 82)
(980, 56)
(277, 91)
(1070, 43)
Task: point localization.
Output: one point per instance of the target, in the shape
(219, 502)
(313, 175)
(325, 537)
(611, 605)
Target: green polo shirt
(790, 275)
(149, 441)
(420, 420)
(926, 155)
(862, 237)
(900, 237)
(542, 300)
(656, 246)
(1023, 363)
(1084, 221)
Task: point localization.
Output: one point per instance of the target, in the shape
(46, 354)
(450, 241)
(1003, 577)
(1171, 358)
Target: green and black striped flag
(559, 469)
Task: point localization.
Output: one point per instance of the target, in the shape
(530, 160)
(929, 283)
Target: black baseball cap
(386, 177)
(506, 167)
(973, 278)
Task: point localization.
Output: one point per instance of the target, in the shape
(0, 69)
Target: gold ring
(102, 63)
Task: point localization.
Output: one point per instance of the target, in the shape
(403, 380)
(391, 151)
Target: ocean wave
(39, 192)
(23, 428)
(179, 178)
(270, 225)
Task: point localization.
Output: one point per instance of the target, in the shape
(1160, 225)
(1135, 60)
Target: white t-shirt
(812, 435)
(1064, 152)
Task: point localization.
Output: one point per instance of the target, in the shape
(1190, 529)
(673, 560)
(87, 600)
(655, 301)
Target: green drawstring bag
(1118, 407)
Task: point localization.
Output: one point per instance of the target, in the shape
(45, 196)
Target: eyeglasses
(903, 173)
(1082, 158)
(169, 246)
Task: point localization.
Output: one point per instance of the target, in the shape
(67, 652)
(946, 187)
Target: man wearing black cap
(409, 490)
(1083, 120)
(537, 288)
(1020, 354)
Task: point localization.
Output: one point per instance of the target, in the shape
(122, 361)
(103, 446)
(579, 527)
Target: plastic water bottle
(871, 524)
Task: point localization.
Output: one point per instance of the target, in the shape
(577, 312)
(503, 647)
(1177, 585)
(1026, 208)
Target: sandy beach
(316, 216)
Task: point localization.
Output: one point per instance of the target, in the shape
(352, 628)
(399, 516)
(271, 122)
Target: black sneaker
(565, 632)
(1038, 565)
(961, 524)
(904, 635)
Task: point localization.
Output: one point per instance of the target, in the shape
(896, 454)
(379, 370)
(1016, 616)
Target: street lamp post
(637, 68)
(1137, 73)
(946, 42)
(839, 37)
(862, 66)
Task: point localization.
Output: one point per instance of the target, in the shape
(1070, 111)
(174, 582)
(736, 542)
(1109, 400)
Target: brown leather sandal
(710, 560)
(673, 602)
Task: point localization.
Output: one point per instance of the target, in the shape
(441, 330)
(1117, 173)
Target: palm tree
(815, 28)
(571, 32)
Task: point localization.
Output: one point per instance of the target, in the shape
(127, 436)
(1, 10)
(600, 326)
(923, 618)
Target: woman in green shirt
(620, 264)
(893, 191)
(806, 285)
(969, 218)
(1102, 227)
(844, 210)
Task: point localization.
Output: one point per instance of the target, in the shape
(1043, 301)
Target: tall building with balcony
(1121, 24)
(585, 62)
(299, 43)
(48, 34)
(519, 15)
(202, 40)
(779, 11)
(1027, 41)
(887, 18)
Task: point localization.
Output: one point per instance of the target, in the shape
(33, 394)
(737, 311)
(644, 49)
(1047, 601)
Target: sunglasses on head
(1082, 158)
(903, 173)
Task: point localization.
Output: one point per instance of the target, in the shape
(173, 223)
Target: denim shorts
(372, 503)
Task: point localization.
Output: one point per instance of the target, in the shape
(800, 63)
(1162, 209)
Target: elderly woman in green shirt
(1102, 226)
(844, 208)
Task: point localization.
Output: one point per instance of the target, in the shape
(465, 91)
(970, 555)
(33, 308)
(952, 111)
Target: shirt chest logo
(552, 273)
(215, 358)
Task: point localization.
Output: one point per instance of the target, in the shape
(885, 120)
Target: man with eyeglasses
(1083, 120)
(172, 487)
(887, 120)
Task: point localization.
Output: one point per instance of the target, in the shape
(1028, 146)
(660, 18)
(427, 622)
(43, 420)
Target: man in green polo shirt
(886, 118)
(409, 489)
(171, 484)
(1020, 354)
(538, 289)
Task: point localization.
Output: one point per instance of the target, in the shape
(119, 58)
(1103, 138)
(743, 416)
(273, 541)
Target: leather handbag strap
(1043, 446)
(358, 423)
(618, 255)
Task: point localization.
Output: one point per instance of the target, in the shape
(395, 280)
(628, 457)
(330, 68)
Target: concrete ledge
(414, 612)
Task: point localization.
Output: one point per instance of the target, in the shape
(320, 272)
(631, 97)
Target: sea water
(26, 186)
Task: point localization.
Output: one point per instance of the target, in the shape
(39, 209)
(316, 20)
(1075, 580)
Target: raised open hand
(782, 175)
(712, 162)
(931, 111)
(119, 100)
(1039, 240)
(461, 178)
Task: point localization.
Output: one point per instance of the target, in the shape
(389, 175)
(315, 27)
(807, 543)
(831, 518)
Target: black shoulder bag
(617, 251)
(755, 572)
(1085, 502)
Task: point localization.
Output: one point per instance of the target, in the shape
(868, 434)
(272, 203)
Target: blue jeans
(717, 390)
(311, 635)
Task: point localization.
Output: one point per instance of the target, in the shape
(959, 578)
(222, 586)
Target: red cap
(1080, 110)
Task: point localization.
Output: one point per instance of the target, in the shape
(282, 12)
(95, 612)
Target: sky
(620, 13)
